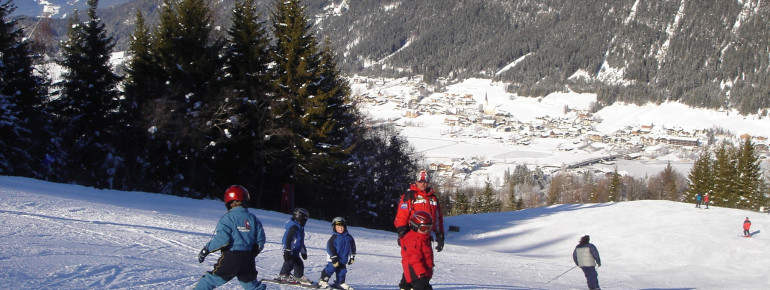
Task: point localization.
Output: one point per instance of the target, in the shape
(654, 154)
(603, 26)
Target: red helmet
(236, 192)
(421, 220)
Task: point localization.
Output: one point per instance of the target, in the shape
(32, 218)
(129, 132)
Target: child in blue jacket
(293, 247)
(341, 251)
(240, 237)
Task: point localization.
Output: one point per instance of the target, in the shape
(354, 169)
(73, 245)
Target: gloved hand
(335, 261)
(255, 251)
(304, 256)
(202, 255)
(439, 242)
(352, 258)
(402, 230)
(598, 265)
(286, 255)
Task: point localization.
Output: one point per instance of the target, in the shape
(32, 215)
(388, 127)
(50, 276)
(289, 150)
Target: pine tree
(143, 87)
(190, 59)
(486, 201)
(310, 103)
(245, 121)
(24, 118)
(725, 177)
(615, 187)
(381, 169)
(88, 102)
(462, 203)
(701, 177)
(749, 177)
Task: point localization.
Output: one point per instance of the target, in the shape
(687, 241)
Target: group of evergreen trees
(195, 113)
(731, 176)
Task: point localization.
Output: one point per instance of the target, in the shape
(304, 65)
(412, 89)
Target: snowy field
(428, 133)
(58, 236)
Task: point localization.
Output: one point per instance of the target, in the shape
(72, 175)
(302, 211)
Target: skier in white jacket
(586, 256)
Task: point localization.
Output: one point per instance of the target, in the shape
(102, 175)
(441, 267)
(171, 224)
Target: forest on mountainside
(712, 54)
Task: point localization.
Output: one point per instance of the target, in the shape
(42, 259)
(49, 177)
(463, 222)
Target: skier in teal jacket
(240, 237)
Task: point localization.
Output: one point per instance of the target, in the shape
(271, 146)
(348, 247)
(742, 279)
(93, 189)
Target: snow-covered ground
(59, 236)
(429, 135)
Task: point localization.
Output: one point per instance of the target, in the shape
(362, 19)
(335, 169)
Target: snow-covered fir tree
(88, 103)
(24, 118)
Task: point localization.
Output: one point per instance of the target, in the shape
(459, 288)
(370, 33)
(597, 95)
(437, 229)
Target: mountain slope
(57, 236)
(706, 54)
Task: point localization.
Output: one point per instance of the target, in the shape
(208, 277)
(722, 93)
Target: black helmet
(339, 221)
(300, 215)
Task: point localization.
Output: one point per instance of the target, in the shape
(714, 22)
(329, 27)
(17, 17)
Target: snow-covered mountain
(56, 8)
(59, 236)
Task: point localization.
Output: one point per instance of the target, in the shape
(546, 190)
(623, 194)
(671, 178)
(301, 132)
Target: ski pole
(565, 272)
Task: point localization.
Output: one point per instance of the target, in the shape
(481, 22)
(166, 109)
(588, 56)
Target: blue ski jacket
(341, 245)
(294, 238)
(238, 230)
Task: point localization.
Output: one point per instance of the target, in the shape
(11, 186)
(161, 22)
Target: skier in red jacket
(416, 253)
(746, 226)
(420, 197)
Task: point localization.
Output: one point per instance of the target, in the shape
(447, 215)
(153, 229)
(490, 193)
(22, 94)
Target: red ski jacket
(416, 200)
(416, 254)
(746, 224)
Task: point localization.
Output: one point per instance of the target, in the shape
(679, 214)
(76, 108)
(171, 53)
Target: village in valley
(482, 114)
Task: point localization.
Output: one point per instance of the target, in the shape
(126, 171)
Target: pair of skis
(294, 283)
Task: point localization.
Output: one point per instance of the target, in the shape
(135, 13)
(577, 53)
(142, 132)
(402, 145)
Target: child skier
(746, 227)
(416, 253)
(341, 250)
(293, 247)
(240, 237)
(698, 199)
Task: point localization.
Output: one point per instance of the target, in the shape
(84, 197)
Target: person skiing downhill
(240, 237)
(586, 256)
(341, 251)
(746, 227)
(420, 197)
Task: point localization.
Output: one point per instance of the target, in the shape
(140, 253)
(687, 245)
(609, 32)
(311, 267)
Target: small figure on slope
(586, 256)
(341, 251)
(698, 199)
(240, 237)
(416, 253)
(293, 247)
(746, 227)
(706, 200)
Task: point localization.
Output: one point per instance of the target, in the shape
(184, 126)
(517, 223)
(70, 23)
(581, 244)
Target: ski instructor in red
(420, 197)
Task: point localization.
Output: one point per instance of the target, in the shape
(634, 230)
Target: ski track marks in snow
(59, 236)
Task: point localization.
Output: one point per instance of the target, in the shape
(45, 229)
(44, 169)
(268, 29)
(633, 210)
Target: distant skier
(746, 227)
(341, 251)
(240, 237)
(698, 199)
(706, 200)
(586, 256)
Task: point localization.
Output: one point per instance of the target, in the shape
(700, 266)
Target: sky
(62, 236)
